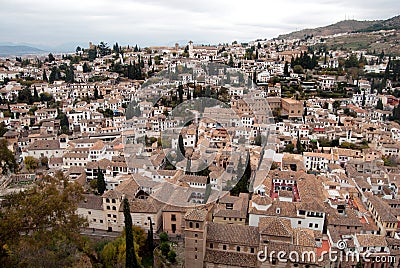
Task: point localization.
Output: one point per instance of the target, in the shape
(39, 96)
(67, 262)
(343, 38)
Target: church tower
(191, 51)
(195, 237)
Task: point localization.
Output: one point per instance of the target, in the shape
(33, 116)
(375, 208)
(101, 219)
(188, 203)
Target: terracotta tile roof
(392, 241)
(128, 188)
(311, 204)
(193, 178)
(171, 208)
(196, 215)
(102, 164)
(142, 206)
(231, 259)
(304, 237)
(98, 145)
(370, 240)
(167, 172)
(75, 155)
(275, 226)
(382, 208)
(350, 219)
(281, 209)
(362, 183)
(233, 234)
(91, 202)
(239, 206)
(261, 200)
(334, 233)
(55, 160)
(368, 224)
(44, 145)
(75, 170)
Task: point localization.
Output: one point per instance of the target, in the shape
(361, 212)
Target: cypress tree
(150, 241)
(286, 69)
(181, 152)
(379, 105)
(131, 261)
(242, 185)
(96, 93)
(101, 184)
(299, 146)
(35, 94)
(45, 76)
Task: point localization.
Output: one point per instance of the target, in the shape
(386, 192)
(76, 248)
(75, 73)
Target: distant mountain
(346, 26)
(18, 50)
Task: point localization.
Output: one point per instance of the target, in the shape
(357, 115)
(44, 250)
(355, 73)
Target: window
(224, 247)
(197, 225)
(316, 225)
(114, 208)
(238, 249)
(190, 224)
(195, 257)
(196, 235)
(173, 228)
(195, 249)
(89, 212)
(299, 222)
(251, 250)
(173, 217)
(211, 245)
(310, 224)
(101, 221)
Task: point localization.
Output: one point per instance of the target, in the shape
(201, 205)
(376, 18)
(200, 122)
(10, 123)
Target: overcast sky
(163, 22)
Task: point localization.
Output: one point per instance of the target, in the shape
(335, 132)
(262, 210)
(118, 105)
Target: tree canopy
(48, 214)
(7, 158)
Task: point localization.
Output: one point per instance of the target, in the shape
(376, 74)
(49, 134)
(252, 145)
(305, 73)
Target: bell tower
(195, 237)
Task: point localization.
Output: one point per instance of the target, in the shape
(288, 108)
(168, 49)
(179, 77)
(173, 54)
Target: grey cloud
(160, 22)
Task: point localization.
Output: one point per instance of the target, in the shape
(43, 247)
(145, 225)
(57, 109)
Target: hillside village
(299, 151)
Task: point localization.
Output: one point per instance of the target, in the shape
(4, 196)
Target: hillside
(372, 41)
(392, 23)
(347, 26)
(6, 50)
